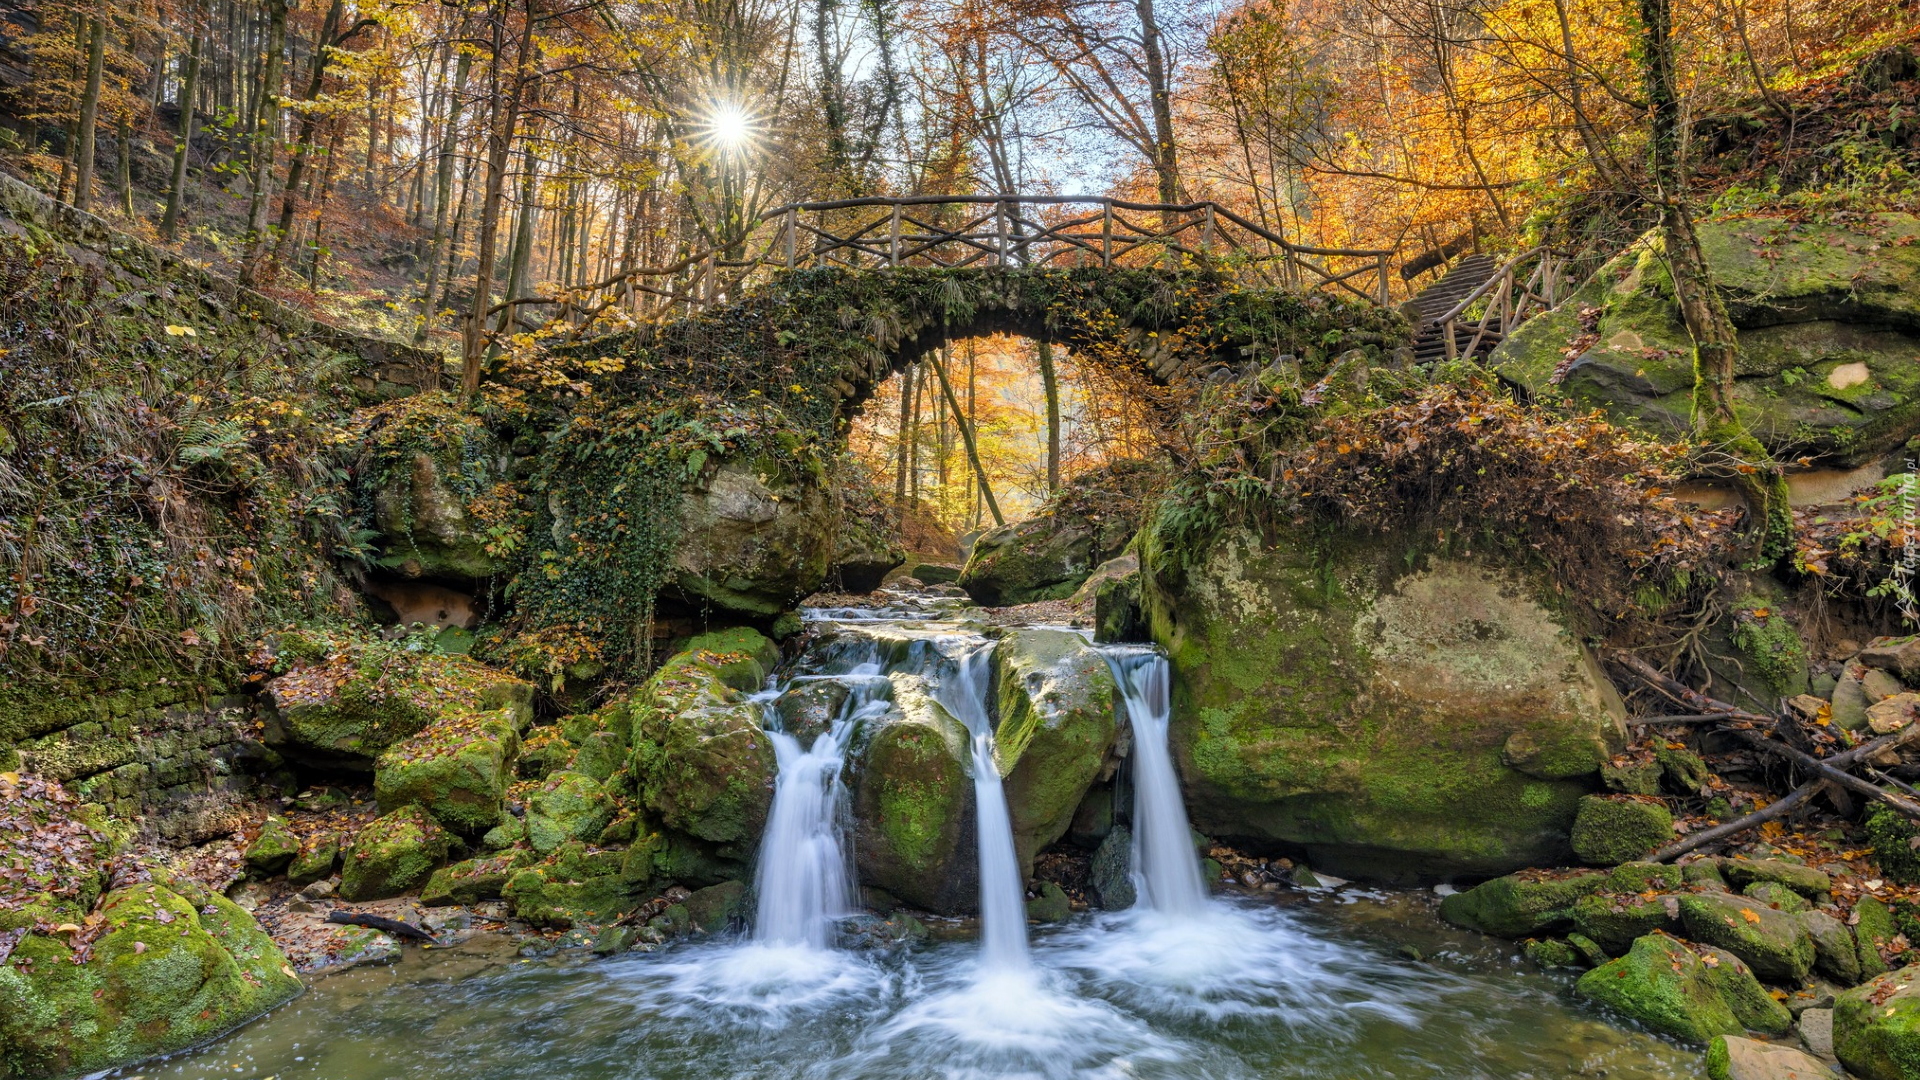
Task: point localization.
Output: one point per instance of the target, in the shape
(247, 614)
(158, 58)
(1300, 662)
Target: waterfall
(1003, 912)
(1166, 870)
(805, 880)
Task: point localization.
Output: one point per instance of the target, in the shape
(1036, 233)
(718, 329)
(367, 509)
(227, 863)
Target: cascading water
(1003, 917)
(1166, 870)
(805, 880)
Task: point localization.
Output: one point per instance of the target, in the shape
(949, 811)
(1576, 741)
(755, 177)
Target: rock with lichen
(393, 854)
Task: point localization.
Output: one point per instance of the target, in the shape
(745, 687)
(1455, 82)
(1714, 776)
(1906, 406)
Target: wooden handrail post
(1380, 268)
(1206, 234)
(1000, 228)
(1106, 234)
(893, 257)
(793, 229)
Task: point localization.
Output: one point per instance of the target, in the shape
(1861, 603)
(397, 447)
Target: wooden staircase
(1466, 278)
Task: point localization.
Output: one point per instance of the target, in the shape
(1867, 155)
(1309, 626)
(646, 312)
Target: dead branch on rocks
(381, 923)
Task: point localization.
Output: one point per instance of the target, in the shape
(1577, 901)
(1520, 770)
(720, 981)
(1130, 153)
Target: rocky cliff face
(1396, 715)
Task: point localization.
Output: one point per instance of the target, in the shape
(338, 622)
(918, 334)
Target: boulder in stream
(913, 804)
(1056, 731)
(1876, 1027)
(701, 760)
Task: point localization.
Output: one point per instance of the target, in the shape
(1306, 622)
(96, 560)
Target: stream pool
(1326, 987)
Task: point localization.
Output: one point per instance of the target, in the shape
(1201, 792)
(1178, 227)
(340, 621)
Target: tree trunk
(966, 436)
(89, 113)
(500, 137)
(443, 195)
(177, 187)
(1050, 381)
(266, 137)
(123, 178)
(1166, 165)
(900, 440)
(1715, 342)
(303, 142)
(521, 255)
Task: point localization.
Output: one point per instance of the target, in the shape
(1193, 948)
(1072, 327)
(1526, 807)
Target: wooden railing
(1526, 285)
(982, 231)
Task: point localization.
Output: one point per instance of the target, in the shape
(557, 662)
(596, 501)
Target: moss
(1662, 984)
(912, 804)
(1551, 953)
(471, 881)
(1777, 896)
(318, 856)
(566, 806)
(1876, 1027)
(1874, 930)
(164, 976)
(1615, 920)
(700, 759)
(427, 484)
(1771, 645)
(273, 849)
(1892, 837)
(458, 768)
(1520, 905)
(717, 907)
(392, 855)
(576, 885)
(1752, 1005)
(1055, 698)
(1776, 944)
(1610, 830)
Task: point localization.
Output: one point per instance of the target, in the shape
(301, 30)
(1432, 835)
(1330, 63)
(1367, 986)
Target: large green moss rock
(700, 758)
(577, 885)
(346, 705)
(471, 881)
(913, 803)
(566, 806)
(1056, 731)
(393, 854)
(1828, 322)
(1805, 880)
(1775, 943)
(717, 907)
(458, 768)
(1050, 554)
(1876, 1027)
(1613, 829)
(166, 973)
(1664, 985)
(1752, 1004)
(1614, 921)
(1397, 718)
(1521, 905)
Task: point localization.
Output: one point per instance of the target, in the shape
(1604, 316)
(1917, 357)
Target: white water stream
(1166, 869)
(964, 691)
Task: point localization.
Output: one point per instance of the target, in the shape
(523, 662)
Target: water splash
(1166, 869)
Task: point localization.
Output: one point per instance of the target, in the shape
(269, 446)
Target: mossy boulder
(1615, 920)
(1835, 952)
(316, 860)
(1730, 1057)
(343, 702)
(1521, 905)
(1876, 1027)
(808, 708)
(1613, 829)
(577, 885)
(471, 881)
(1666, 986)
(1775, 943)
(1110, 873)
(913, 803)
(167, 972)
(701, 761)
(434, 477)
(1050, 555)
(1395, 717)
(1828, 330)
(273, 850)
(717, 907)
(1752, 1004)
(393, 854)
(457, 768)
(1055, 697)
(566, 806)
(1874, 929)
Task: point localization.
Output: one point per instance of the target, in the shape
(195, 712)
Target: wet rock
(1730, 1057)
(1640, 877)
(1876, 1027)
(1116, 601)
(1632, 777)
(393, 855)
(935, 573)
(1898, 654)
(577, 885)
(718, 907)
(1805, 880)
(1056, 714)
(1776, 944)
(1612, 830)
(470, 882)
(1552, 953)
(1370, 725)
(1777, 896)
(1664, 985)
(273, 850)
(1752, 1004)
(700, 758)
(1520, 905)
(807, 709)
(1849, 712)
(616, 939)
(1111, 872)
(913, 804)
(1590, 951)
(172, 968)
(1050, 906)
